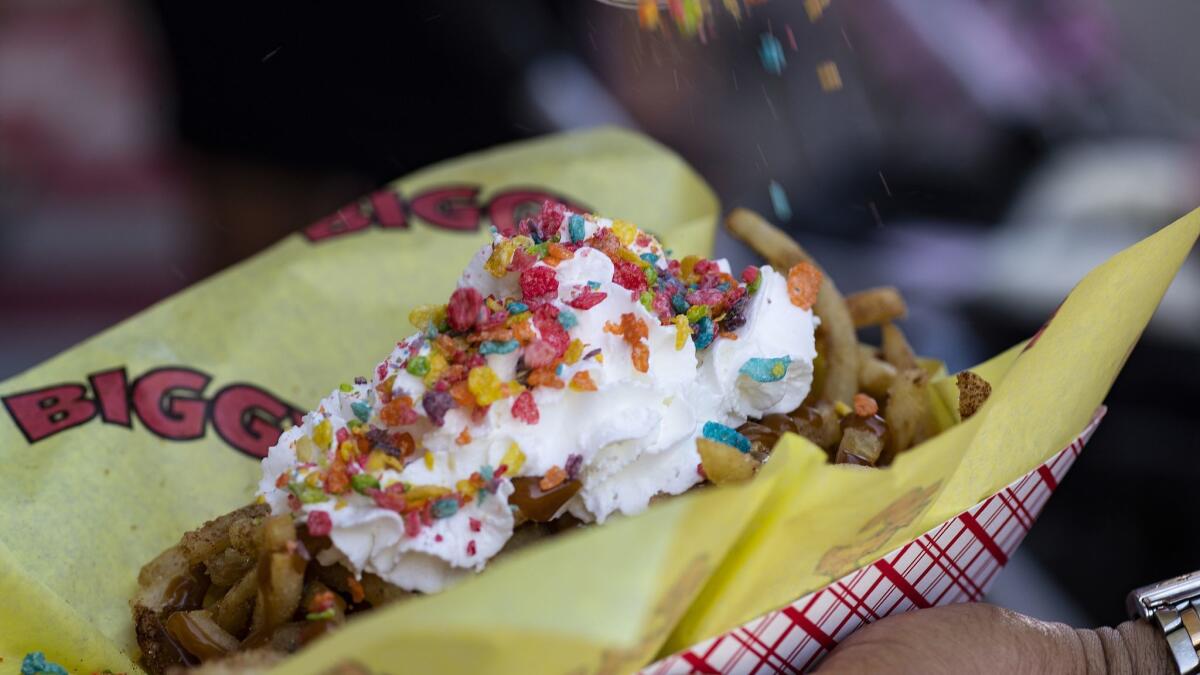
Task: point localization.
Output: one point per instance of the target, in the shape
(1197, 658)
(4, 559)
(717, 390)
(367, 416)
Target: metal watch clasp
(1143, 601)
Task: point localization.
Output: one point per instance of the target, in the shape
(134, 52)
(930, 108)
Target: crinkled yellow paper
(82, 509)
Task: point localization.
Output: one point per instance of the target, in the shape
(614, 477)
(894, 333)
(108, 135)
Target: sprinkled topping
(720, 433)
(371, 447)
(766, 370)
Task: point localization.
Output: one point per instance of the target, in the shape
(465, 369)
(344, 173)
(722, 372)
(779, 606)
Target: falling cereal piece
(791, 38)
(733, 8)
(770, 51)
(766, 370)
(827, 74)
(693, 14)
(779, 201)
(648, 14)
(815, 8)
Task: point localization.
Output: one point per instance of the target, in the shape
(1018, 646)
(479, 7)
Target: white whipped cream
(635, 434)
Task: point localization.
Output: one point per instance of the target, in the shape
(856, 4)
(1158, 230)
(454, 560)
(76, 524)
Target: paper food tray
(951, 563)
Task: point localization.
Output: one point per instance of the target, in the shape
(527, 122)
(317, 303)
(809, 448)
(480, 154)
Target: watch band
(1174, 607)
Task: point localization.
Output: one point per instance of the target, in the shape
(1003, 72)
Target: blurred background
(980, 154)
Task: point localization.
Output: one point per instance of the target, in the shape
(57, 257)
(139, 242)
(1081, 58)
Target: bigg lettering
(170, 402)
(45, 412)
(250, 419)
(454, 208)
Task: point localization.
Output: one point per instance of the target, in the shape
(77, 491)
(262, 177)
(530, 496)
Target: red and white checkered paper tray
(953, 562)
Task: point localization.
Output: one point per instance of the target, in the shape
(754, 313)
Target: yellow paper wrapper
(114, 448)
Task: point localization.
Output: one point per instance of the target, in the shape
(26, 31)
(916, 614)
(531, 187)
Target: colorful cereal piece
(323, 434)
(444, 508)
(705, 333)
(538, 282)
(567, 319)
(319, 523)
(722, 434)
(683, 331)
(361, 410)
(525, 408)
(770, 51)
(779, 201)
(766, 370)
(587, 300)
(418, 366)
(804, 282)
(494, 347)
(463, 310)
(513, 458)
(582, 381)
(575, 228)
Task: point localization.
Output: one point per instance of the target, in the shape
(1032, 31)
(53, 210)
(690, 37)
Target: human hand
(981, 638)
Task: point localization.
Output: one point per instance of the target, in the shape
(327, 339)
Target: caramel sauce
(538, 505)
(193, 637)
(186, 591)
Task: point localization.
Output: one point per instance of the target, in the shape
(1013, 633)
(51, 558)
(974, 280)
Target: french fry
(896, 349)
(213, 537)
(859, 446)
(876, 306)
(837, 328)
(232, 612)
(228, 566)
(973, 391)
(277, 531)
(874, 374)
(280, 583)
(907, 411)
(245, 535)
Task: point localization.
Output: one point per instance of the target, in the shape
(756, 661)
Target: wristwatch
(1174, 606)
